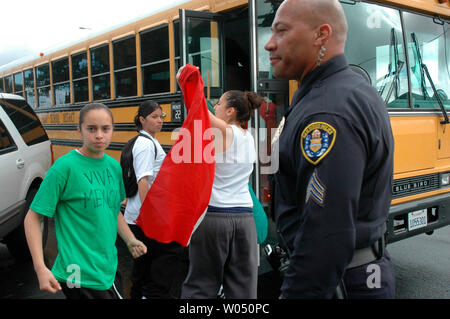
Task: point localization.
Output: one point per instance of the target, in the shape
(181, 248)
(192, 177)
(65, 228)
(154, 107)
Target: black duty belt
(367, 255)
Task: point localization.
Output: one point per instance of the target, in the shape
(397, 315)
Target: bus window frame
(155, 62)
(55, 84)
(5, 79)
(438, 106)
(19, 92)
(45, 86)
(101, 74)
(32, 88)
(125, 69)
(79, 79)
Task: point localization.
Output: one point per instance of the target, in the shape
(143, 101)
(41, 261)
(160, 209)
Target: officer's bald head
(305, 33)
(319, 12)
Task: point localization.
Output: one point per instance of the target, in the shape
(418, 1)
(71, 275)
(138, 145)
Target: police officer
(333, 188)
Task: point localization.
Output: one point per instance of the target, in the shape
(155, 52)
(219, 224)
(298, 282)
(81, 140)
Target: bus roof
(63, 45)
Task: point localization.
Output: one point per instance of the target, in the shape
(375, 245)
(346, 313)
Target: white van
(25, 157)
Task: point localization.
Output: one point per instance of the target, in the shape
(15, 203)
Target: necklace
(278, 132)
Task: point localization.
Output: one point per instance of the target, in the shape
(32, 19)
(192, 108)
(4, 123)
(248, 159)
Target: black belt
(361, 257)
(367, 255)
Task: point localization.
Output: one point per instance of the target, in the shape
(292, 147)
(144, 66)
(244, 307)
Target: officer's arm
(325, 240)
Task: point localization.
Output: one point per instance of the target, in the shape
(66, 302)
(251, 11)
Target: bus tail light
(52, 152)
(266, 195)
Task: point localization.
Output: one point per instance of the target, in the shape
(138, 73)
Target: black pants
(115, 292)
(375, 280)
(161, 272)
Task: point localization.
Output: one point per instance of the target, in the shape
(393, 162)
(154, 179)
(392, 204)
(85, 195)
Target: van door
(11, 175)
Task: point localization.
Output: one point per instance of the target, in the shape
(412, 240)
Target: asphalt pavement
(422, 265)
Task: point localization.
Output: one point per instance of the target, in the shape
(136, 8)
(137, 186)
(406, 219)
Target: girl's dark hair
(244, 102)
(146, 108)
(93, 106)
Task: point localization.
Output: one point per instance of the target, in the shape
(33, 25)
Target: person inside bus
(223, 249)
(333, 187)
(268, 114)
(159, 273)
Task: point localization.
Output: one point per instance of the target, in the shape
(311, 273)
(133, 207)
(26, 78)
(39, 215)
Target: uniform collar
(321, 72)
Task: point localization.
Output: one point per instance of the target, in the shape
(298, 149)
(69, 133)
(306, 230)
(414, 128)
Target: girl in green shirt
(83, 191)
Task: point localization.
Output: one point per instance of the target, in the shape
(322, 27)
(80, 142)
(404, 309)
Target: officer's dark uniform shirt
(333, 188)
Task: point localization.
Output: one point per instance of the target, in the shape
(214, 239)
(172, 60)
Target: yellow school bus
(402, 47)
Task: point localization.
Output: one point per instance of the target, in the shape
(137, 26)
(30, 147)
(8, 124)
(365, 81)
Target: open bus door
(277, 97)
(202, 45)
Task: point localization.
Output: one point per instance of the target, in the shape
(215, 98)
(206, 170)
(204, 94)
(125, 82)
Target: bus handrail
(394, 81)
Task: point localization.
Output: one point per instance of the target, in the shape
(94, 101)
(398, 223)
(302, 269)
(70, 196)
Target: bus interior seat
(359, 70)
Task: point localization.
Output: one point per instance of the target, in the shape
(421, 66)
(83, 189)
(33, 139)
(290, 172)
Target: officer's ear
(323, 33)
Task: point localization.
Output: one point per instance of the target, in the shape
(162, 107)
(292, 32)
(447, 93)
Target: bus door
(277, 95)
(276, 98)
(216, 44)
(202, 45)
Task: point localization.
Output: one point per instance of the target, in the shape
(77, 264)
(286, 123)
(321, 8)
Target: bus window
(266, 14)
(1, 85)
(43, 85)
(155, 60)
(203, 47)
(61, 84)
(18, 83)
(124, 51)
(8, 84)
(176, 41)
(428, 51)
(80, 77)
(100, 72)
(29, 87)
(375, 46)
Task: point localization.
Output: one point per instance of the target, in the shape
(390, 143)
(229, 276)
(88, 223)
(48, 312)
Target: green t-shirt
(84, 196)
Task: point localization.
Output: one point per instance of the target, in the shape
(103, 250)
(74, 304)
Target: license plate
(417, 219)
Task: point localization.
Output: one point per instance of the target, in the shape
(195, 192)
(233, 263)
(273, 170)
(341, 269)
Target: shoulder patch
(317, 140)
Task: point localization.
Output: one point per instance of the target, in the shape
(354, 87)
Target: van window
(25, 120)
(6, 142)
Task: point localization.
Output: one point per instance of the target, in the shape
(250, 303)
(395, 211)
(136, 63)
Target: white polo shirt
(144, 164)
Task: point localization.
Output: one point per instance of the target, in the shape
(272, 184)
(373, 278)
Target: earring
(320, 55)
